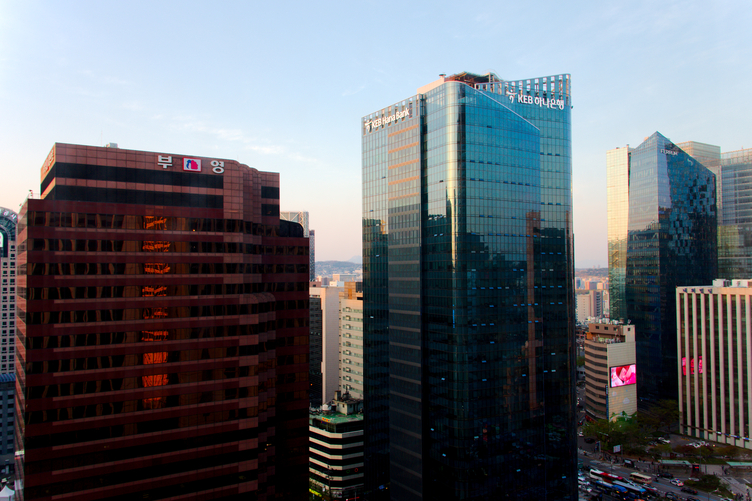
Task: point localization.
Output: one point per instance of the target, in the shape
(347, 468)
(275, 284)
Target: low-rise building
(610, 370)
(336, 449)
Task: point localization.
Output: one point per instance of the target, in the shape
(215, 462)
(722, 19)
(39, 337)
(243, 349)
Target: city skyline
(283, 90)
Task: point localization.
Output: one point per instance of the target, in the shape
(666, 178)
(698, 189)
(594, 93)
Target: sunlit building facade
(668, 201)
(162, 331)
(468, 291)
(617, 192)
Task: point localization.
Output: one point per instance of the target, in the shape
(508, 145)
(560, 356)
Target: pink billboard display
(623, 375)
(691, 365)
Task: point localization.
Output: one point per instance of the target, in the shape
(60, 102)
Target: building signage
(543, 102)
(191, 164)
(669, 152)
(384, 120)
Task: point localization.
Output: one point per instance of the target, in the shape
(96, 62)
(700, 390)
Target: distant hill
(328, 268)
(591, 272)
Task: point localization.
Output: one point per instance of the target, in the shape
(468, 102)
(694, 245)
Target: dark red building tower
(162, 346)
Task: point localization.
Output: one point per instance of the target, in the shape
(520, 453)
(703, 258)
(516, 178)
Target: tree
(580, 361)
(667, 413)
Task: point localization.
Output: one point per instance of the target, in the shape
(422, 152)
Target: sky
(283, 87)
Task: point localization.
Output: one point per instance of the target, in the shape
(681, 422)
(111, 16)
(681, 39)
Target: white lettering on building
(543, 102)
(384, 120)
(669, 152)
(164, 161)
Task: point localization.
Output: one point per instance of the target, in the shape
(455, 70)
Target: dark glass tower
(468, 299)
(670, 213)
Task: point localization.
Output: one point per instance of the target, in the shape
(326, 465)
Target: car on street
(689, 490)
(665, 474)
(589, 440)
(671, 495)
(677, 482)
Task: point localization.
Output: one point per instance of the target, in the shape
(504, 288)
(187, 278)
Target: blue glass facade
(671, 242)
(468, 300)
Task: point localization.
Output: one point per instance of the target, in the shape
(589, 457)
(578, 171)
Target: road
(662, 485)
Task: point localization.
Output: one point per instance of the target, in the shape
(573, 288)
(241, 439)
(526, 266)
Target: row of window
(90, 245)
(135, 291)
(137, 314)
(146, 223)
(160, 268)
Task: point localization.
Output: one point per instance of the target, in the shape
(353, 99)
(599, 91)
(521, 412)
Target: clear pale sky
(283, 86)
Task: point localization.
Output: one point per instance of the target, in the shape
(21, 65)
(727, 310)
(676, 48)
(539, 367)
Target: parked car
(689, 490)
(665, 474)
(671, 495)
(677, 482)
(629, 463)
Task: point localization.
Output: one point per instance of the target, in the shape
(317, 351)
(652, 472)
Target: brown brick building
(162, 347)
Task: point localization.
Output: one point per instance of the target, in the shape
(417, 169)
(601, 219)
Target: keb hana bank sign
(543, 102)
(386, 120)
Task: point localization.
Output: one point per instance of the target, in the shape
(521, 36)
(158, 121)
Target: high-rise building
(8, 220)
(735, 215)
(162, 331)
(617, 192)
(301, 217)
(662, 233)
(468, 298)
(714, 331)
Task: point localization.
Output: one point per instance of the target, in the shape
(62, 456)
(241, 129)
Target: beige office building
(610, 370)
(714, 329)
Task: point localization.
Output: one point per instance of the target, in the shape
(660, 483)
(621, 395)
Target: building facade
(714, 345)
(611, 370)
(662, 203)
(351, 370)
(589, 304)
(329, 298)
(468, 298)
(8, 221)
(162, 331)
(316, 347)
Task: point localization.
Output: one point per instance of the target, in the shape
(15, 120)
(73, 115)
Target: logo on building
(386, 120)
(193, 164)
(543, 102)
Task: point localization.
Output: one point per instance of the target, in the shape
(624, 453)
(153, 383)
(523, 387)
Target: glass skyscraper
(468, 291)
(735, 215)
(662, 234)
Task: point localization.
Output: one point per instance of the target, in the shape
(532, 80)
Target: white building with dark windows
(714, 348)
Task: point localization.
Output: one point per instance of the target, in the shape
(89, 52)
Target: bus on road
(641, 478)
